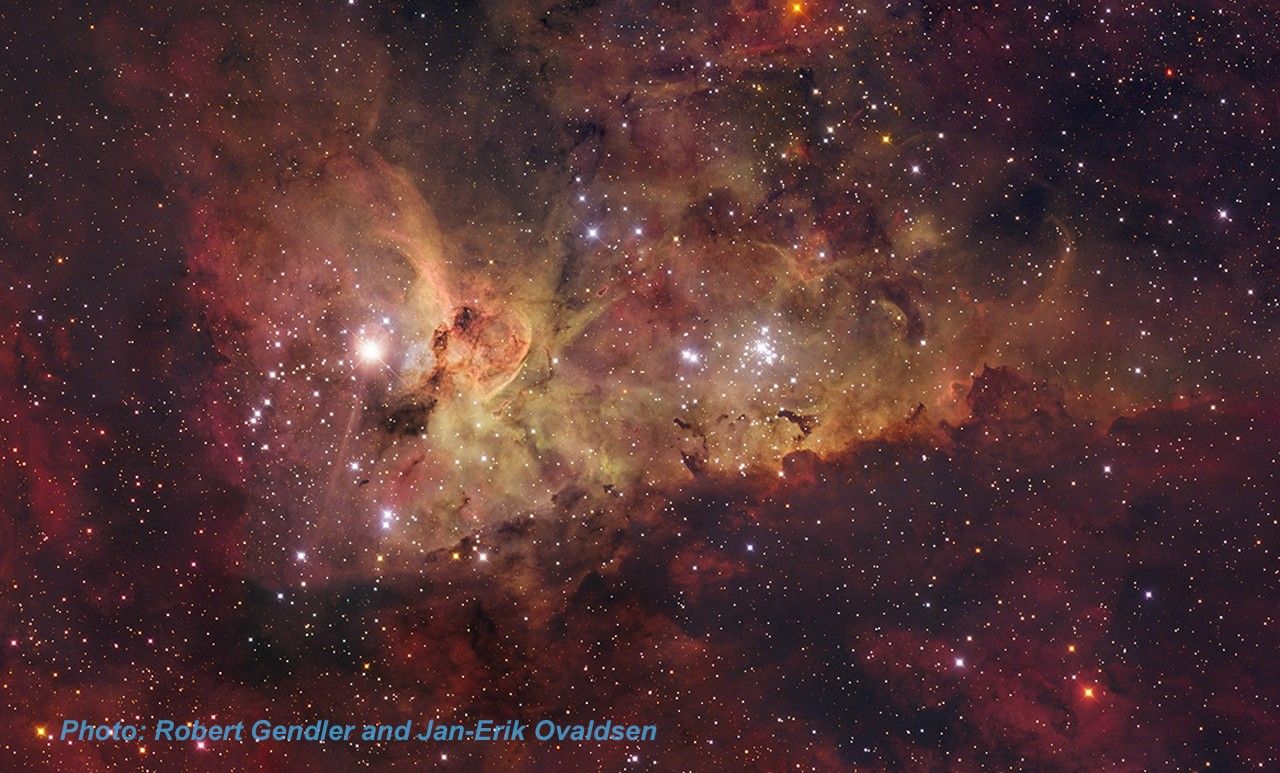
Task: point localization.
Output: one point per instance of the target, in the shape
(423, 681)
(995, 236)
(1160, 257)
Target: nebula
(829, 386)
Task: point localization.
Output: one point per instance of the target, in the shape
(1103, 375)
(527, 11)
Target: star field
(836, 385)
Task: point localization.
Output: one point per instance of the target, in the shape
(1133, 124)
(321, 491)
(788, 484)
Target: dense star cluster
(834, 385)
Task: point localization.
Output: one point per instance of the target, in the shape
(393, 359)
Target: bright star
(370, 350)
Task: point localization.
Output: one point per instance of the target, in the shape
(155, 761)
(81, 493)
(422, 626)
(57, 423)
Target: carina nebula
(826, 385)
